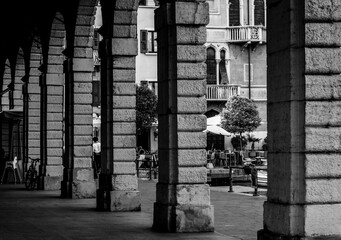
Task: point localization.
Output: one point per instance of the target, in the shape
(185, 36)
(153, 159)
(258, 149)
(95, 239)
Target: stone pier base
(266, 235)
(78, 189)
(49, 182)
(118, 201)
(183, 218)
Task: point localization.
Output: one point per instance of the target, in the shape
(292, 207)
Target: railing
(246, 33)
(221, 92)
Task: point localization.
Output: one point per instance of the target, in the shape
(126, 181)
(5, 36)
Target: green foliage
(240, 115)
(146, 108)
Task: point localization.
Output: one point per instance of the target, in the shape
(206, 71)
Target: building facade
(303, 200)
(235, 58)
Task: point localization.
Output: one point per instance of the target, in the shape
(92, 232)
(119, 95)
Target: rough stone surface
(83, 189)
(122, 201)
(194, 218)
(189, 218)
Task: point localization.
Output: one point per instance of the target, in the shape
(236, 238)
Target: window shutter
(246, 72)
(144, 41)
(96, 93)
(95, 39)
(223, 73)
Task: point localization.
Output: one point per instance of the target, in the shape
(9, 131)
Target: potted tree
(240, 115)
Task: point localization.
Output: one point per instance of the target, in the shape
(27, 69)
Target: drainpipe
(249, 60)
(249, 48)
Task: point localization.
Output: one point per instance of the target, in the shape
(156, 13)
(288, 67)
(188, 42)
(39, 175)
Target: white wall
(146, 64)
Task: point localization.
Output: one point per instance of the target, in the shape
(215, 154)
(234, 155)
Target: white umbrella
(214, 121)
(217, 130)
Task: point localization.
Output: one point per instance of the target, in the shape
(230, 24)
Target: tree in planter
(146, 108)
(240, 115)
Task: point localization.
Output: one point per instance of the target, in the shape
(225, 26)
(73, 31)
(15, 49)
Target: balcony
(236, 34)
(221, 92)
(246, 33)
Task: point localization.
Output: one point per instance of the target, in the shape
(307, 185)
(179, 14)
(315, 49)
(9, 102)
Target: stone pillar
(52, 108)
(33, 143)
(118, 187)
(6, 80)
(18, 86)
(78, 175)
(182, 195)
(304, 83)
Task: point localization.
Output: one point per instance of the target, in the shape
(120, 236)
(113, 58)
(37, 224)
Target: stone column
(78, 174)
(33, 143)
(304, 96)
(182, 195)
(118, 187)
(6, 80)
(52, 108)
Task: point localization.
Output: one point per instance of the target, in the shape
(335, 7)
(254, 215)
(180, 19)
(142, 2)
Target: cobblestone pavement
(43, 215)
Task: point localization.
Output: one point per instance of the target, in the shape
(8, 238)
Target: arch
(211, 65)
(212, 111)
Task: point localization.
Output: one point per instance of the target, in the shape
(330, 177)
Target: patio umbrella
(214, 121)
(217, 130)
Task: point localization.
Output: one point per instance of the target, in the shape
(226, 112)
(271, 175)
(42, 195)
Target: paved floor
(43, 215)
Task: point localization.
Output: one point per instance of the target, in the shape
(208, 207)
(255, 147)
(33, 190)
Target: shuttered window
(246, 72)
(211, 66)
(259, 12)
(144, 41)
(148, 41)
(96, 93)
(234, 13)
(223, 77)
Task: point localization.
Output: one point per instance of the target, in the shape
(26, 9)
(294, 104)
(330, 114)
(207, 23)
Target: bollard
(230, 177)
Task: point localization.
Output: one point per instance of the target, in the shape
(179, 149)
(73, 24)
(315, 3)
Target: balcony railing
(221, 92)
(246, 33)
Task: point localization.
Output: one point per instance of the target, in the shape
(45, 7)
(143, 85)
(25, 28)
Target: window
(243, 12)
(234, 14)
(223, 77)
(259, 12)
(96, 93)
(148, 43)
(96, 39)
(143, 2)
(211, 66)
(246, 72)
